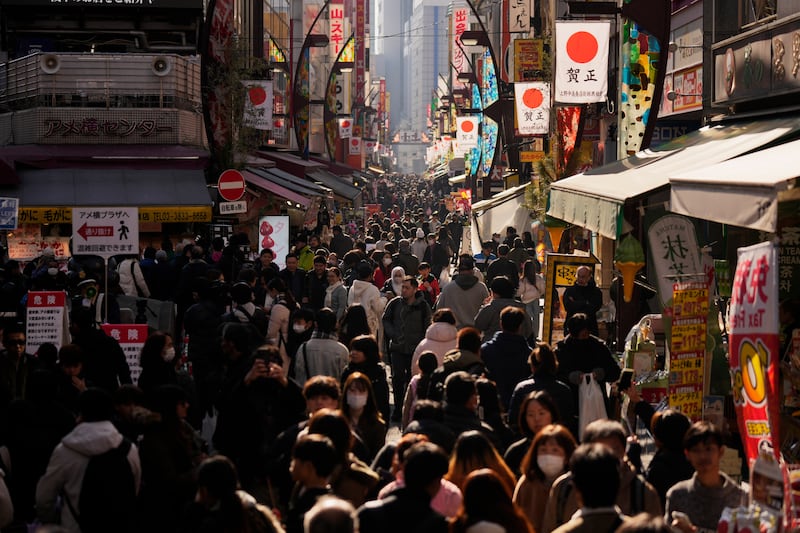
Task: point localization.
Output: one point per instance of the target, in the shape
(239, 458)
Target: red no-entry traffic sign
(231, 185)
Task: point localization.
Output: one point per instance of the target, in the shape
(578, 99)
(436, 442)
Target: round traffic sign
(231, 185)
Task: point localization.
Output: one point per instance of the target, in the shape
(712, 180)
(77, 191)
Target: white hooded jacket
(68, 464)
(368, 295)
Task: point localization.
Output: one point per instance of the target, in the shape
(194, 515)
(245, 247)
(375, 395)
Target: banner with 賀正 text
(45, 319)
(754, 347)
(581, 73)
(131, 338)
(688, 352)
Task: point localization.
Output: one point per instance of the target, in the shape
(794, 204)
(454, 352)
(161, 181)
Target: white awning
(740, 192)
(495, 214)
(455, 180)
(594, 199)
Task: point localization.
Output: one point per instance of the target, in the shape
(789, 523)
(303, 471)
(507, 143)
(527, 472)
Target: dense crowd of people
(270, 411)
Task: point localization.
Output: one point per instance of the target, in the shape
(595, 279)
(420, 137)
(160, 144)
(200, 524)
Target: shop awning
(740, 192)
(497, 213)
(455, 180)
(274, 188)
(338, 185)
(162, 195)
(594, 199)
(298, 186)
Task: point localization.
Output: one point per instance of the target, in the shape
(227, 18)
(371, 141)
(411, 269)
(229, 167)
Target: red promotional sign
(231, 185)
(754, 347)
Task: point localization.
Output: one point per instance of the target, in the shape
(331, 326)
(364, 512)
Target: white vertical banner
(519, 16)
(355, 146)
(345, 128)
(467, 132)
(131, 338)
(258, 104)
(273, 232)
(581, 74)
(533, 107)
(369, 146)
(459, 24)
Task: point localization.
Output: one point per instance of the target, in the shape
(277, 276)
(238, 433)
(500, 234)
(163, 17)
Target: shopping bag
(591, 404)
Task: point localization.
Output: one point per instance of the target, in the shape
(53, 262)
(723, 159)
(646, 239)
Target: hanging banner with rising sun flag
(258, 104)
(355, 146)
(581, 74)
(533, 107)
(345, 128)
(467, 132)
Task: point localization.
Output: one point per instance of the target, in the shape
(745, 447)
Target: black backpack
(108, 495)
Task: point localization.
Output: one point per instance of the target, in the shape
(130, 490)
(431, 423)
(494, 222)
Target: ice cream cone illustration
(628, 260)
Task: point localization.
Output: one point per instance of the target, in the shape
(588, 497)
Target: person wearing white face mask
(157, 361)
(547, 459)
(359, 406)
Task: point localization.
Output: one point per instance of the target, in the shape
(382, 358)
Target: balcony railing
(101, 81)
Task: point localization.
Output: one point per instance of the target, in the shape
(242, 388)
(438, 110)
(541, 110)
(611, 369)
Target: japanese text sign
(105, 231)
(687, 356)
(131, 338)
(581, 74)
(754, 347)
(533, 107)
(467, 132)
(45, 319)
(258, 104)
(460, 63)
(675, 252)
(336, 27)
(9, 211)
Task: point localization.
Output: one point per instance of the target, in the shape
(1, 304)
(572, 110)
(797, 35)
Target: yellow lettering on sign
(63, 215)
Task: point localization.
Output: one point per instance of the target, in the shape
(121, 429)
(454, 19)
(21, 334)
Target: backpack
(108, 496)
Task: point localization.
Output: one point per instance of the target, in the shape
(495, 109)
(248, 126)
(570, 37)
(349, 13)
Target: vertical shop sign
(754, 347)
(687, 356)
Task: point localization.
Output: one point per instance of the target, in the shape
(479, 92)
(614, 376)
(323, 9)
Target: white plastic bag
(591, 405)
(444, 277)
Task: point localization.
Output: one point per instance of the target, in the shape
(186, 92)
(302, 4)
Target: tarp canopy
(495, 214)
(337, 184)
(740, 192)
(594, 199)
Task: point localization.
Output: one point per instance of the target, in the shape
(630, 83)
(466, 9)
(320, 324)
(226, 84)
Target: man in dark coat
(505, 354)
(340, 243)
(503, 266)
(404, 258)
(584, 297)
(105, 364)
(405, 321)
(409, 507)
(582, 353)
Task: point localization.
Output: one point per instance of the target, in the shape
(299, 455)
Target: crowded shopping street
(377, 266)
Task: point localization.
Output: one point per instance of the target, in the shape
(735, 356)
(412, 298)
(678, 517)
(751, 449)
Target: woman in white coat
(131, 278)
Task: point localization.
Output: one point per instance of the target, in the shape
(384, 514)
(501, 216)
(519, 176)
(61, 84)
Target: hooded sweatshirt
(368, 295)
(440, 338)
(464, 297)
(68, 465)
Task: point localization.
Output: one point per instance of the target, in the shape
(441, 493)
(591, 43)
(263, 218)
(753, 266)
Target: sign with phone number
(63, 215)
(687, 356)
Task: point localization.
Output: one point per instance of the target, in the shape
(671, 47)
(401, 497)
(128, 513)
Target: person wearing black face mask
(582, 353)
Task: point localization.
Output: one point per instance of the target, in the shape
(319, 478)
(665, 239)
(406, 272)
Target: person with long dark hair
(487, 503)
(365, 357)
(157, 360)
(537, 411)
(354, 323)
(222, 507)
(359, 405)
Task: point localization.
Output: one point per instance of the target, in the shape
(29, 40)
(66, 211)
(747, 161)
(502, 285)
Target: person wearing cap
(465, 295)
(305, 256)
